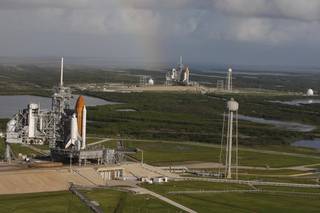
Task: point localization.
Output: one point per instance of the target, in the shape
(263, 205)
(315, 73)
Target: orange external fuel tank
(79, 111)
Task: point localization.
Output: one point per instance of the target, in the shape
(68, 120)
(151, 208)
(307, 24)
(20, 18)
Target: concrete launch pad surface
(16, 180)
(145, 170)
(45, 180)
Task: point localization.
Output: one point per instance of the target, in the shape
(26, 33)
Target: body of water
(299, 102)
(10, 105)
(291, 126)
(315, 143)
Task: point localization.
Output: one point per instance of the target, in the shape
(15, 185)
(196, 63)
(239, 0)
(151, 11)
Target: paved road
(205, 165)
(252, 182)
(214, 191)
(99, 142)
(244, 191)
(132, 186)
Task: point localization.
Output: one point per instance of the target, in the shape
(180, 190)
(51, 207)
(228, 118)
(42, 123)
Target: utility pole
(229, 80)
(141, 156)
(70, 161)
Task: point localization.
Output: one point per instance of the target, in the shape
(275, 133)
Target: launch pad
(179, 76)
(63, 128)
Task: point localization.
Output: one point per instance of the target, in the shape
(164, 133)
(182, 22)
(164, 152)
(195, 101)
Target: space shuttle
(78, 124)
(78, 128)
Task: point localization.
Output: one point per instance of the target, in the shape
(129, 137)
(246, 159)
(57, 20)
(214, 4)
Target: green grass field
(18, 148)
(126, 202)
(163, 153)
(63, 202)
(237, 202)
(51, 202)
(193, 117)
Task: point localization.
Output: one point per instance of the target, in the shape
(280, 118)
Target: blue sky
(244, 32)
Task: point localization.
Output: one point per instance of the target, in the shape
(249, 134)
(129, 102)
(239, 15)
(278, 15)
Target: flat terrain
(110, 200)
(195, 117)
(267, 201)
(49, 202)
(117, 201)
(166, 153)
(177, 128)
(45, 180)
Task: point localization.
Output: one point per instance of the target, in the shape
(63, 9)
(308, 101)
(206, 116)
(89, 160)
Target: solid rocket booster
(84, 127)
(78, 125)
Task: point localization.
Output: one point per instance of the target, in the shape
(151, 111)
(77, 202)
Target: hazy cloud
(157, 25)
(290, 9)
(308, 10)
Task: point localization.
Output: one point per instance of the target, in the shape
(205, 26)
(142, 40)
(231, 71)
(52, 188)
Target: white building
(160, 179)
(310, 92)
(111, 173)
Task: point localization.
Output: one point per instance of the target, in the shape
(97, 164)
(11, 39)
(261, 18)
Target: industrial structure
(146, 80)
(220, 85)
(229, 80)
(179, 75)
(62, 127)
(231, 136)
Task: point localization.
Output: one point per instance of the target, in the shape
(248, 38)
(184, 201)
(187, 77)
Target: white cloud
(308, 10)
(251, 21)
(258, 30)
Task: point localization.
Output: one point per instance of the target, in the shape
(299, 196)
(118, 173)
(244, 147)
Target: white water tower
(231, 153)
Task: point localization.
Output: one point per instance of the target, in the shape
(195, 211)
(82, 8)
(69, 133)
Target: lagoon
(10, 105)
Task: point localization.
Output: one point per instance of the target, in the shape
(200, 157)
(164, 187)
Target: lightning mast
(61, 73)
(180, 68)
(229, 80)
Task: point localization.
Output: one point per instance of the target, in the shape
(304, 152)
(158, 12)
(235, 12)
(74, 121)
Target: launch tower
(62, 127)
